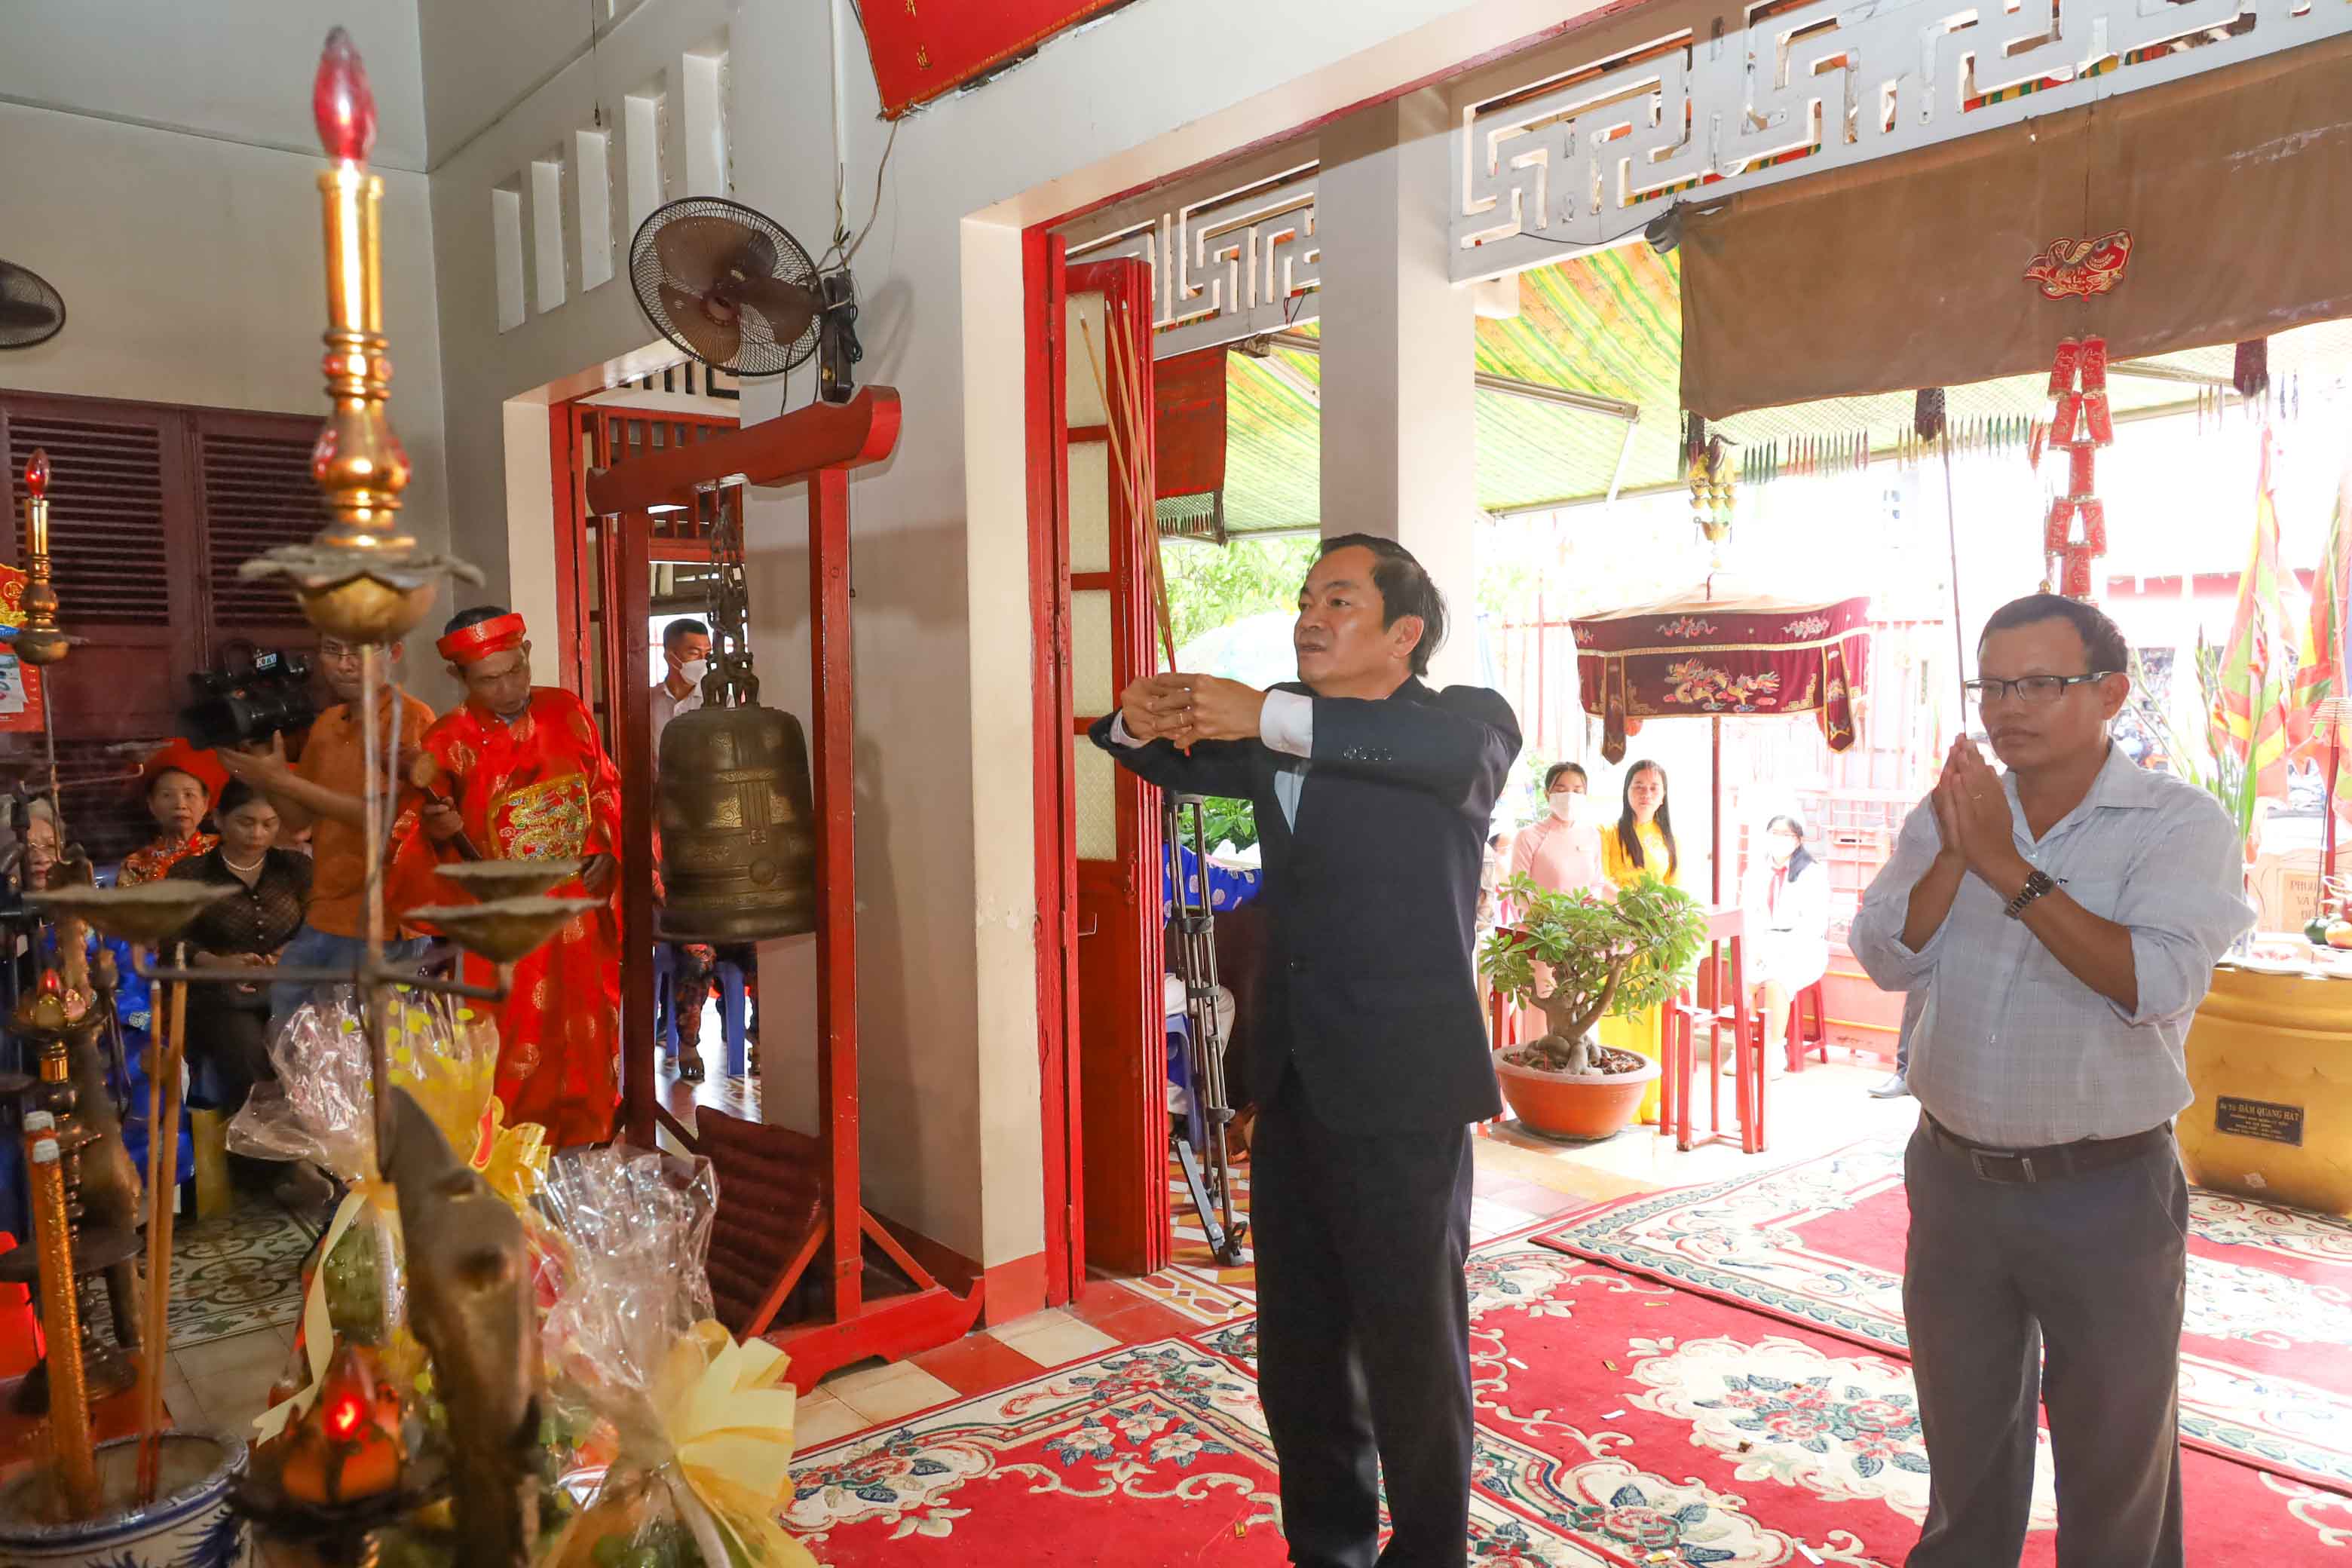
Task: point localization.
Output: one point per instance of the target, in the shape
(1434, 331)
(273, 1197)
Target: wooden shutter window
(107, 542)
(255, 494)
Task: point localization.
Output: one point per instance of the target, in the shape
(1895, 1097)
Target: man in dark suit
(1373, 794)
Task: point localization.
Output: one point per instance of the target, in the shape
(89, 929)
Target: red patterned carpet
(2266, 1350)
(1622, 1422)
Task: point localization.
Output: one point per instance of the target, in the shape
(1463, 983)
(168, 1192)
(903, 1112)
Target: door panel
(1122, 1064)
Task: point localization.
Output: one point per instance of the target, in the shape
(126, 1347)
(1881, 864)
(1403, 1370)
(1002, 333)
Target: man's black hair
(474, 617)
(1405, 590)
(686, 627)
(2102, 638)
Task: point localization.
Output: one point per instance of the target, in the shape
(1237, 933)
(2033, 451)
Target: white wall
(945, 883)
(190, 260)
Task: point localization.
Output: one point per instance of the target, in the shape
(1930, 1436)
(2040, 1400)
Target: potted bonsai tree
(1579, 959)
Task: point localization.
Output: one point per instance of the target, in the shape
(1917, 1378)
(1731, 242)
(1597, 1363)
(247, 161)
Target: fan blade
(698, 250)
(786, 308)
(717, 342)
(24, 315)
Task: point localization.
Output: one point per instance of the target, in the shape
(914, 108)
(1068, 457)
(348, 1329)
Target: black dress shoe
(1895, 1088)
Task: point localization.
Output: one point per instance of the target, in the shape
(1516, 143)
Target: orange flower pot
(1559, 1106)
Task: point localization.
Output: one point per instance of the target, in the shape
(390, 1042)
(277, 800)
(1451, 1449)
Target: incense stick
(1126, 478)
(1131, 378)
(161, 1209)
(150, 1350)
(1952, 538)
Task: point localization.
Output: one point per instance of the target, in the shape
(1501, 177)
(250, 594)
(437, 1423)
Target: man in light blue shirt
(2064, 917)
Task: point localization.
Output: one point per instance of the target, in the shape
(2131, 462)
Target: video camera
(256, 693)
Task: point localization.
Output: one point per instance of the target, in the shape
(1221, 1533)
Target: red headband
(471, 645)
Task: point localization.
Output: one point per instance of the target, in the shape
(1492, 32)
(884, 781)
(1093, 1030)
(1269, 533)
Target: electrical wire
(838, 255)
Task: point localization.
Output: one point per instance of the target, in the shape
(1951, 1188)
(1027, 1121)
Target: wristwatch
(2037, 883)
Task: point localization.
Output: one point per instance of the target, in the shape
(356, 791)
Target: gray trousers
(2067, 1293)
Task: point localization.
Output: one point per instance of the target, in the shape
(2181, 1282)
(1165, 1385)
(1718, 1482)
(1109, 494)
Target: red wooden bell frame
(818, 445)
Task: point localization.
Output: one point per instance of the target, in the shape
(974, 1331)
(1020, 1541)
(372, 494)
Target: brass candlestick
(361, 578)
(39, 642)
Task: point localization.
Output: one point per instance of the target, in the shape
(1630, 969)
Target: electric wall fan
(731, 287)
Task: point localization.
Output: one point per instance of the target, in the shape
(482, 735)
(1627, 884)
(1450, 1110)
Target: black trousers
(2067, 1294)
(1364, 1334)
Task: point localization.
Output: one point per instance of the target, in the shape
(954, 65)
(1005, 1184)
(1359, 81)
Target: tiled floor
(222, 1385)
(1521, 1182)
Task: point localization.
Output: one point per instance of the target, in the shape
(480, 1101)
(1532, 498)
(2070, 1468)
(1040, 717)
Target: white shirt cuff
(1286, 723)
(1119, 731)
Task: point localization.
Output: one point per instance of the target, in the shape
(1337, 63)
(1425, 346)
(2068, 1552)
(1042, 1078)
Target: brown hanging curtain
(1189, 418)
(1907, 272)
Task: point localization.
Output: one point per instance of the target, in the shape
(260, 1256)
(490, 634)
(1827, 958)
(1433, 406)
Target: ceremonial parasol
(1698, 654)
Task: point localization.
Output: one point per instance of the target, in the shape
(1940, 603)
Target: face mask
(1567, 805)
(694, 669)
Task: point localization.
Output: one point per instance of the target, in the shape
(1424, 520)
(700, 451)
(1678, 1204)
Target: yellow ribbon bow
(513, 1160)
(717, 1425)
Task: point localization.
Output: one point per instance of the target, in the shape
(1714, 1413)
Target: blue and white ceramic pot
(188, 1525)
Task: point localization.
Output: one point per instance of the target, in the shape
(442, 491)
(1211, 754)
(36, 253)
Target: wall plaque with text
(2258, 1118)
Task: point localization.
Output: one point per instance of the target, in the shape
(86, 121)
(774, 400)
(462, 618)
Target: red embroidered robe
(540, 788)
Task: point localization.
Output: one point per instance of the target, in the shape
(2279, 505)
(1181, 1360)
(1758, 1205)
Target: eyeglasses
(2033, 691)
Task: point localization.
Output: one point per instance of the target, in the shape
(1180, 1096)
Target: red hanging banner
(20, 683)
(923, 48)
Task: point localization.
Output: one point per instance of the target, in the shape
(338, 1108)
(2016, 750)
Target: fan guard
(31, 311)
(726, 283)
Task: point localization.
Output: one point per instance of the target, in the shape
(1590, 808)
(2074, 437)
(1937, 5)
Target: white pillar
(1400, 428)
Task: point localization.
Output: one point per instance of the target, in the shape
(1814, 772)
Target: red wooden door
(1100, 627)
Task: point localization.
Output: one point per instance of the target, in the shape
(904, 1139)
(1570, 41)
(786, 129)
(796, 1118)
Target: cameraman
(322, 791)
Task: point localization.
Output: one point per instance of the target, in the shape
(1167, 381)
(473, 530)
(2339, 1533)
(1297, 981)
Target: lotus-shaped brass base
(150, 913)
(358, 594)
(504, 930)
(494, 880)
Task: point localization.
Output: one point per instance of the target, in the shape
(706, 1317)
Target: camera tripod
(1192, 951)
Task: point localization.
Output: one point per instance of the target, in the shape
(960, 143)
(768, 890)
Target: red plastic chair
(1726, 972)
(1804, 1036)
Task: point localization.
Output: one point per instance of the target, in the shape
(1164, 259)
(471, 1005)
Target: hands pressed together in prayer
(1182, 708)
(1972, 813)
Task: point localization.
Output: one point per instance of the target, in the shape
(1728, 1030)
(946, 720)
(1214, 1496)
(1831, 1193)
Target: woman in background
(1787, 908)
(181, 784)
(1641, 844)
(227, 1025)
(1561, 852)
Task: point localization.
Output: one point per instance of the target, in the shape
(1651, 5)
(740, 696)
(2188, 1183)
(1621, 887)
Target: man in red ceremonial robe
(522, 775)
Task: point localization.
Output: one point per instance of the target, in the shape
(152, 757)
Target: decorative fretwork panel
(1585, 157)
(1228, 266)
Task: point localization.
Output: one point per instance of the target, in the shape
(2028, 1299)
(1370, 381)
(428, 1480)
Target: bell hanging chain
(720, 510)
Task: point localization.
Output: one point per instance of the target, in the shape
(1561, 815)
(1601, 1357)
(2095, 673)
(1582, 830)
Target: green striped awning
(1610, 324)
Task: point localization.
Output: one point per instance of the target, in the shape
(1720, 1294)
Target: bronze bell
(738, 825)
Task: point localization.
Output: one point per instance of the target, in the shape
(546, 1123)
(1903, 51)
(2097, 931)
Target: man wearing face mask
(686, 646)
(685, 649)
